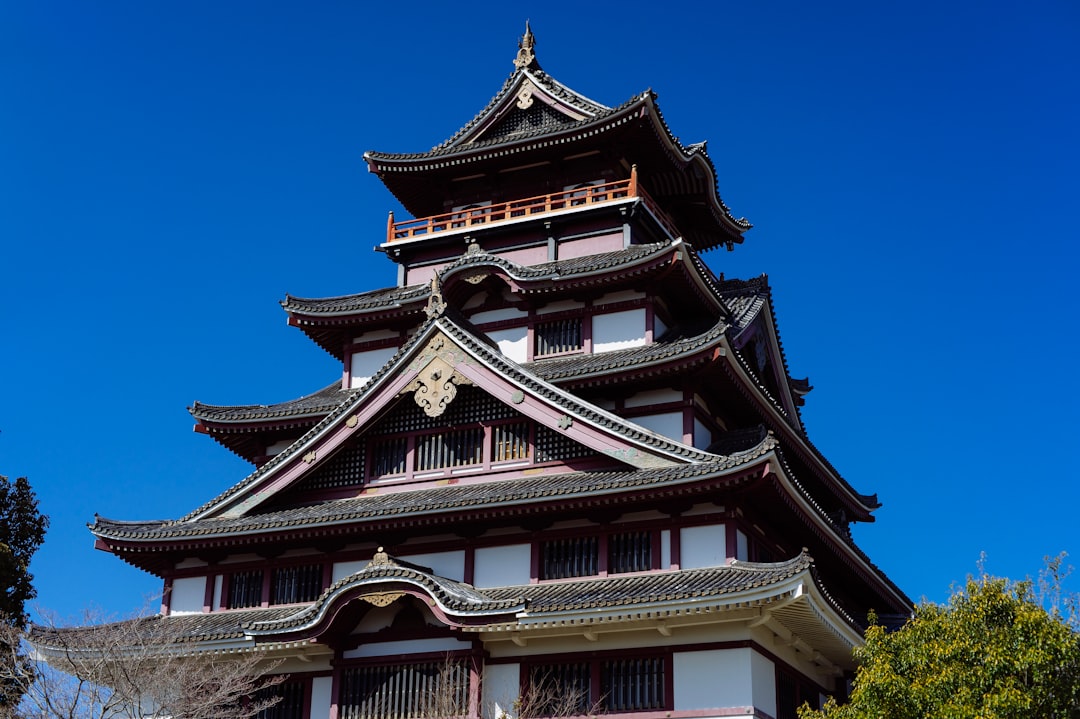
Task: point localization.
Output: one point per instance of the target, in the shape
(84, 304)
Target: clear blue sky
(169, 170)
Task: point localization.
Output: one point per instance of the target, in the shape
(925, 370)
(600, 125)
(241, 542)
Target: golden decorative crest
(525, 55)
(310, 457)
(382, 599)
(525, 96)
(436, 386)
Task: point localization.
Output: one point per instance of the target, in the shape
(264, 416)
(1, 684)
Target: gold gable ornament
(525, 55)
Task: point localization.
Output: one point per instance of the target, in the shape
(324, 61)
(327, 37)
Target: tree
(22, 530)
(130, 670)
(998, 649)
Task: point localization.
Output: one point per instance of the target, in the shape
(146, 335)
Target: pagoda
(563, 471)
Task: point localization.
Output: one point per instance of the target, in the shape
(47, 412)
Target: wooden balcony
(529, 207)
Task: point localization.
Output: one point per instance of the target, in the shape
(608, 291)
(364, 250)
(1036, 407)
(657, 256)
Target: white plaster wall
(624, 296)
(742, 552)
(715, 679)
(668, 424)
(702, 435)
(501, 566)
(365, 364)
(618, 330)
(702, 546)
(501, 686)
(513, 342)
(445, 564)
(505, 313)
(560, 306)
(321, 696)
(764, 678)
(656, 396)
(344, 569)
(665, 548)
(409, 646)
(187, 595)
(219, 583)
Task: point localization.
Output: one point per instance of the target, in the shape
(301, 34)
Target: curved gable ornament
(435, 386)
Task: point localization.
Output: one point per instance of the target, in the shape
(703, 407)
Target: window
(290, 705)
(289, 585)
(630, 685)
(573, 557)
(579, 556)
(510, 442)
(429, 690)
(245, 589)
(558, 336)
(557, 690)
(629, 552)
(455, 448)
(791, 692)
(622, 684)
(389, 455)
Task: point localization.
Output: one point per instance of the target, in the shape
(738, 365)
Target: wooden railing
(554, 202)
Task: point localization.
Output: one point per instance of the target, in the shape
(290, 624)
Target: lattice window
(457, 448)
(388, 456)
(510, 442)
(344, 469)
(405, 691)
(245, 589)
(289, 585)
(629, 552)
(290, 704)
(628, 685)
(558, 690)
(554, 446)
(557, 336)
(571, 557)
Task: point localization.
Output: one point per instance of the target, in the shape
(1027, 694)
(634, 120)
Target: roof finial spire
(526, 55)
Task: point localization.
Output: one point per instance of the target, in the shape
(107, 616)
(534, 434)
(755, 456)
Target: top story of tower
(541, 153)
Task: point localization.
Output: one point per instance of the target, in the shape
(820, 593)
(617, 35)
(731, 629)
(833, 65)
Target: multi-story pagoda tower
(563, 471)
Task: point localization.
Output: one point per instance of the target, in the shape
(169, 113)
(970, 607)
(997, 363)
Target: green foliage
(22, 530)
(995, 651)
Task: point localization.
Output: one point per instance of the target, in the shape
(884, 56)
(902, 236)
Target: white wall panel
(502, 566)
(501, 686)
(668, 424)
(764, 674)
(716, 679)
(365, 364)
(618, 330)
(513, 343)
(320, 696)
(344, 569)
(188, 595)
(702, 546)
(445, 564)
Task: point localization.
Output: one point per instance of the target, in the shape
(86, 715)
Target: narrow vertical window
(289, 585)
(558, 336)
(245, 589)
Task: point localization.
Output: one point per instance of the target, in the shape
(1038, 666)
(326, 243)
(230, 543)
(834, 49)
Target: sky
(170, 170)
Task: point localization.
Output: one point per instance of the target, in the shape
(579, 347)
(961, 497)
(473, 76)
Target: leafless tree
(138, 668)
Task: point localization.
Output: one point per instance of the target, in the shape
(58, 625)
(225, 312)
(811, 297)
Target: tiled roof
(417, 294)
(316, 404)
(500, 603)
(602, 363)
(506, 494)
(591, 109)
(628, 590)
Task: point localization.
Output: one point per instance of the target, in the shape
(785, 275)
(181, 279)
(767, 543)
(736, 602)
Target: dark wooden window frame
(657, 696)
